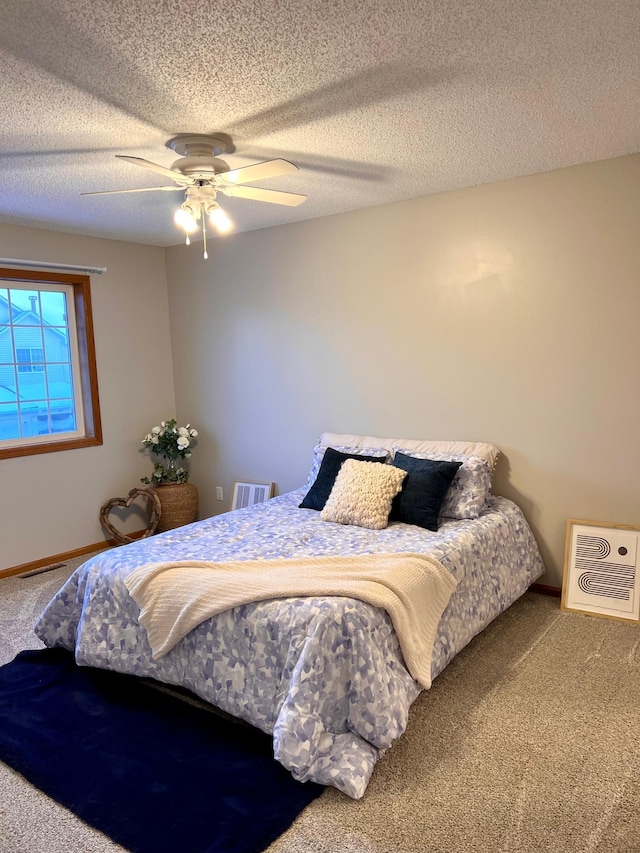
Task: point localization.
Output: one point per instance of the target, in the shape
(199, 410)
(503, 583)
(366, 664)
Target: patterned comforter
(324, 675)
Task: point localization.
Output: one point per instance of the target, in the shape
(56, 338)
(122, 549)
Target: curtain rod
(42, 265)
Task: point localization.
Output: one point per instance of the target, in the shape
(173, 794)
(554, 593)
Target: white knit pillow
(362, 494)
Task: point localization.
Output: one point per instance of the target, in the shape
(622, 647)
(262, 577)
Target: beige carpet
(528, 742)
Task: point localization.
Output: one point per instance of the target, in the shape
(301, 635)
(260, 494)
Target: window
(48, 377)
(30, 359)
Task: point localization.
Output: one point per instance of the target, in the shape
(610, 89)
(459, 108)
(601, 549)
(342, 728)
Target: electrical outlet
(219, 493)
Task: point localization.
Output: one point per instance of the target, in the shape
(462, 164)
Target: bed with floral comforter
(324, 675)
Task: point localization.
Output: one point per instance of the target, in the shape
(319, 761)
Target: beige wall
(506, 313)
(50, 503)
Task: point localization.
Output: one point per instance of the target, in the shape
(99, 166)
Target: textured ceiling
(374, 101)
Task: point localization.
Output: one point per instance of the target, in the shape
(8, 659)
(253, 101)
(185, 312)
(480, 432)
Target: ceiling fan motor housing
(199, 160)
(200, 145)
(201, 167)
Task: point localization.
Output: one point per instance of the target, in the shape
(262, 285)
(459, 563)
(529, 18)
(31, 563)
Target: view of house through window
(30, 360)
(42, 372)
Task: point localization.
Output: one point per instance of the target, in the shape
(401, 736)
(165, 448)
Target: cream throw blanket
(414, 589)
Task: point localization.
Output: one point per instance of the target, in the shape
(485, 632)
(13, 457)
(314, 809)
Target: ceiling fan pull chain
(204, 234)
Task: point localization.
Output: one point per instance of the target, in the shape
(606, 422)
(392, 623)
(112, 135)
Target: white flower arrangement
(172, 443)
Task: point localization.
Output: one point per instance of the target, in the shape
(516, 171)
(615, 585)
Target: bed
(324, 674)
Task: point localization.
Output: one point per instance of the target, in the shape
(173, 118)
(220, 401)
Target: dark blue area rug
(153, 772)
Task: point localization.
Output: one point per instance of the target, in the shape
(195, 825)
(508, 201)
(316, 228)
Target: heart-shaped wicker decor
(153, 506)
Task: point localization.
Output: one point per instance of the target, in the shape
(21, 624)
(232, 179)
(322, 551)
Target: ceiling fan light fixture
(219, 219)
(185, 219)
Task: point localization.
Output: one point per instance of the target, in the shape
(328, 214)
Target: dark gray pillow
(424, 490)
(319, 492)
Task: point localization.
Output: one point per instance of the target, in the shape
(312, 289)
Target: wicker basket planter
(179, 505)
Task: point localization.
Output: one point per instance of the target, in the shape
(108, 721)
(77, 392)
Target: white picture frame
(601, 575)
(247, 493)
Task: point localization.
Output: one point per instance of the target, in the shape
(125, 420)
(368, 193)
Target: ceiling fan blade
(139, 190)
(155, 167)
(259, 172)
(272, 196)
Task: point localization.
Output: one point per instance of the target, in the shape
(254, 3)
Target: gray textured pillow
(319, 450)
(363, 493)
(470, 488)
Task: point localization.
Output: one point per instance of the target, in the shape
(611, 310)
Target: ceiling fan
(200, 175)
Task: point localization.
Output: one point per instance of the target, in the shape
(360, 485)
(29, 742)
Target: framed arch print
(601, 569)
